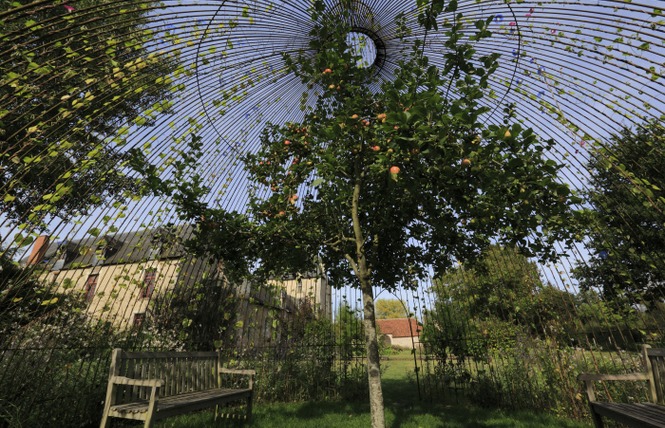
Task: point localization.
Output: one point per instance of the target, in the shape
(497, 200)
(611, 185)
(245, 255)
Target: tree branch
(353, 263)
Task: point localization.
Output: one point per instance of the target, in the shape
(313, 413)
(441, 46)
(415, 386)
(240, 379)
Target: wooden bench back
(655, 362)
(181, 372)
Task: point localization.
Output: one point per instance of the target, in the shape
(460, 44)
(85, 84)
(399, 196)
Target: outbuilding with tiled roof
(400, 332)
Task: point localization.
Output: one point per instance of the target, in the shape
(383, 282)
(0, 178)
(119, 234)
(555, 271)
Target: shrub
(304, 364)
(56, 384)
(54, 363)
(528, 373)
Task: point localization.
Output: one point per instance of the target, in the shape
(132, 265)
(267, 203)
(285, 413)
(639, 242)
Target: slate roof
(399, 327)
(128, 247)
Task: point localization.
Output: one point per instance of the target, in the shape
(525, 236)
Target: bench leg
(249, 407)
(597, 421)
(106, 420)
(149, 419)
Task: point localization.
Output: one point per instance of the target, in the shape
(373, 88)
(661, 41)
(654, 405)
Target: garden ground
(403, 410)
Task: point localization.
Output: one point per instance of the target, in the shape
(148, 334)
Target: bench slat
(656, 352)
(178, 404)
(171, 354)
(181, 400)
(637, 415)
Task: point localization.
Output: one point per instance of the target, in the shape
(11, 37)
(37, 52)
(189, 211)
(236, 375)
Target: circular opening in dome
(363, 46)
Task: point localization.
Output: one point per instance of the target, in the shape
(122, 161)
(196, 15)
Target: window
(59, 264)
(138, 319)
(66, 252)
(149, 279)
(154, 252)
(97, 258)
(90, 286)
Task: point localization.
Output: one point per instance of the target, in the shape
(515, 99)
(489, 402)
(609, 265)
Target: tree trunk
(373, 360)
(369, 320)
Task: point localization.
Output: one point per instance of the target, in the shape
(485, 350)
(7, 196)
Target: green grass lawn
(403, 410)
(345, 415)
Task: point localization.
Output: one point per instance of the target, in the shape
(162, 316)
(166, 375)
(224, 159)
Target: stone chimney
(38, 250)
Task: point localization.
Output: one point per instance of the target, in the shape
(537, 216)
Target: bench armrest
(620, 377)
(122, 380)
(153, 384)
(590, 378)
(245, 372)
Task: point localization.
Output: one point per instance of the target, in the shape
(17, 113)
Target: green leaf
(49, 302)
(23, 241)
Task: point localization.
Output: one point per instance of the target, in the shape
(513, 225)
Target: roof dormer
(105, 248)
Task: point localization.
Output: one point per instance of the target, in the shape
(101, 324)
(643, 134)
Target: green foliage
(25, 300)
(501, 334)
(195, 316)
(402, 409)
(350, 335)
(220, 235)
(608, 325)
(75, 379)
(306, 372)
(487, 305)
(626, 234)
(54, 355)
(501, 285)
(388, 308)
(69, 82)
(448, 332)
(304, 365)
(543, 377)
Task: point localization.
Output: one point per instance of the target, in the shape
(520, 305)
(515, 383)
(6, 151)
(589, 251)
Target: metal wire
(577, 72)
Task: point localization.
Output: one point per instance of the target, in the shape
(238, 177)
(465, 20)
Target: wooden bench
(149, 386)
(638, 415)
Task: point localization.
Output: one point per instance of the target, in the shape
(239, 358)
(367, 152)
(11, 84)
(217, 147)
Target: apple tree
(384, 186)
